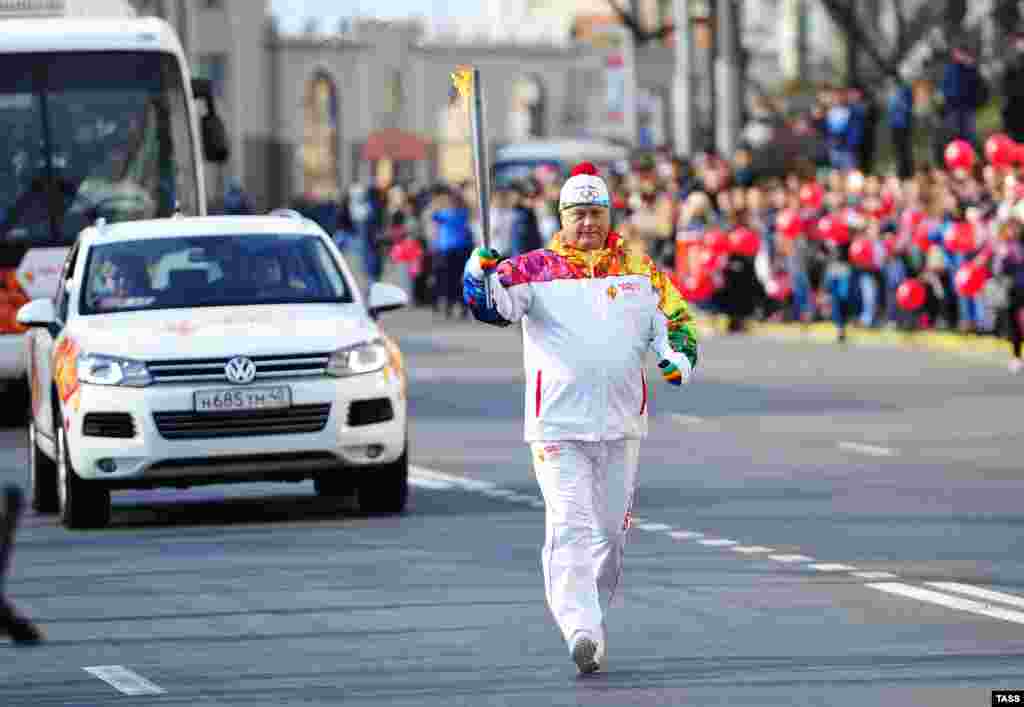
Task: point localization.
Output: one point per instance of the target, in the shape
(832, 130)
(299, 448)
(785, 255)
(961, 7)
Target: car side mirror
(38, 313)
(213, 134)
(385, 298)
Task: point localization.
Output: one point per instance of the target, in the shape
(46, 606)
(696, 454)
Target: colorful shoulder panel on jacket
(682, 330)
(537, 266)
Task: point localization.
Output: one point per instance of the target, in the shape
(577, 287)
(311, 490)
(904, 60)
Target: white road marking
(979, 593)
(124, 680)
(521, 498)
(498, 493)
(874, 575)
(653, 527)
(949, 601)
(686, 419)
(791, 558)
(832, 567)
(430, 483)
(472, 484)
(717, 542)
(751, 549)
(537, 503)
(868, 449)
(685, 534)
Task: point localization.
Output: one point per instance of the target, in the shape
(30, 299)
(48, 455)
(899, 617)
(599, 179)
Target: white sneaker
(1016, 365)
(587, 654)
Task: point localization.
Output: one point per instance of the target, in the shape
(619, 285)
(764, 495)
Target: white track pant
(588, 491)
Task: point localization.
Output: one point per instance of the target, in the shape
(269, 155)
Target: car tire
(333, 485)
(83, 504)
(42, 476)
(16, 403)
(385, 489)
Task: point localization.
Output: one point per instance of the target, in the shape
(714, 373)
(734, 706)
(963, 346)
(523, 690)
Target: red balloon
(709, 261)
(779, 288)
(959, 237)
(959, 154)
(910, 295)
(744, 241)
(862, 254)
(717, 241)
(920, 236)
(1000, 150)
(970, 278)
(834, 228)
(812, 195)
(697, 287)
(789, 223)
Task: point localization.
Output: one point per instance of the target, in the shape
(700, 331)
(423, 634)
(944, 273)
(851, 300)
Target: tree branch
(901, 30)
(640, 35)
(845, 16)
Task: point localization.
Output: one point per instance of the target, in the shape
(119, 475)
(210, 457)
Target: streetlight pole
(727, 80)
(683, 84)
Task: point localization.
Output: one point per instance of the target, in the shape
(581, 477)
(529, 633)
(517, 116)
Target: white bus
(97, 120)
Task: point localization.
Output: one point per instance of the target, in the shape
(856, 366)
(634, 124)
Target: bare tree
(887, 50)
(631, 19)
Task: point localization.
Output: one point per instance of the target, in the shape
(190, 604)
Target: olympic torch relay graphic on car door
(65, 371)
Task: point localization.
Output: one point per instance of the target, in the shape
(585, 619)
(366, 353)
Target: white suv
(186, 351)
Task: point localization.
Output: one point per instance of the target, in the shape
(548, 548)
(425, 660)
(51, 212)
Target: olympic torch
(466, 82)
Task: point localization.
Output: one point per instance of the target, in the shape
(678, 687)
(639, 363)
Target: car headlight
(362, 358)
(111, 370)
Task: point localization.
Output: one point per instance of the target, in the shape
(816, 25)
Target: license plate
(243, 399)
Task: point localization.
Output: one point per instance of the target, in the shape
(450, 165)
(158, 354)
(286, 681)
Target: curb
(973, 346)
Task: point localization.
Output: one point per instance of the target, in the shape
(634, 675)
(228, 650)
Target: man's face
(586, 227)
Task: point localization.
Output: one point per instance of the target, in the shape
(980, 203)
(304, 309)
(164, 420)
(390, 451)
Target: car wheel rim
(62, 470)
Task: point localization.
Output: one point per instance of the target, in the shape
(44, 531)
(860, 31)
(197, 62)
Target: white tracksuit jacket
(586, 329)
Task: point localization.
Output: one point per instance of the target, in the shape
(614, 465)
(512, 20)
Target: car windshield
(91, 134)
(210, 271)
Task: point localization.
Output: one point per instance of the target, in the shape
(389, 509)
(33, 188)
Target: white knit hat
(584, 187)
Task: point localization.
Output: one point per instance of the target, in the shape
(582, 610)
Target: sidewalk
(984, 347)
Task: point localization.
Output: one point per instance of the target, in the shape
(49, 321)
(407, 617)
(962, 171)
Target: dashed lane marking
(124, 680)
(653, 527)
(791, 559)
(874, 576)
(751, 549)
(685, 534)
(947, 600)
(430, 483)
(686, 419)
(979, 593)
(869, 449)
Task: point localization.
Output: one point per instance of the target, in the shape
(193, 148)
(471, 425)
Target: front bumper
(149, 458)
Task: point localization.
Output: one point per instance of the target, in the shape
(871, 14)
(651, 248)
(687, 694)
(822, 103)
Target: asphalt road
(815, 526)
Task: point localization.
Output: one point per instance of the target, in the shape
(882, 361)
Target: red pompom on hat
(587, 168)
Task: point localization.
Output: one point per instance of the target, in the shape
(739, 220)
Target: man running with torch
(590, 311)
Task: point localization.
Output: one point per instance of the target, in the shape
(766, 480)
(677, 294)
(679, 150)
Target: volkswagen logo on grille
(240, 370)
